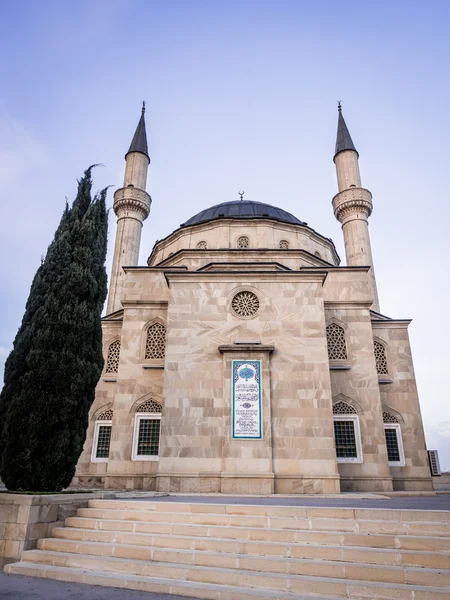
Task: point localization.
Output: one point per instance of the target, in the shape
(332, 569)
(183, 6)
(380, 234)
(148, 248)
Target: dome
(243, 209)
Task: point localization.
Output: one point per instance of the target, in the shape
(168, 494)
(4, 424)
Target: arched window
(102, 436)
(243, 242)
(394, 442)
(337, 349)
(380, 358)
(155, 345)
(347, 435)
(112, 360)
(147, 428)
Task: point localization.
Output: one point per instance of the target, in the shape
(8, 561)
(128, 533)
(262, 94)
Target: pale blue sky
(240, 95)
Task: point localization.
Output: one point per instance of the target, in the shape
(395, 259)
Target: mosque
(244, 359)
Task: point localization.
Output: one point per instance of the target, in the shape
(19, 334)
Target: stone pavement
(440, 502)
(17, 587)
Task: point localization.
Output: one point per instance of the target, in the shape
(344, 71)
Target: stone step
(389, 556)
(260, 521)
(372, 514)
(162, 586)
(404, 542)
(234, 578)
(338, 569)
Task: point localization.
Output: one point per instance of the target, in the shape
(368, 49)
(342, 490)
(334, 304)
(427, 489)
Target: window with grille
(155, 346)
(147, 427)
(243, 242)
(112, 360)
(101, 441)
(337, 349)
(380, 358)
(394, 444)
(347, 436)
(148, 437)
(344, 435)
(284, 244)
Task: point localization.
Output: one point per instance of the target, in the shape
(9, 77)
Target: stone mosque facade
(244, 359)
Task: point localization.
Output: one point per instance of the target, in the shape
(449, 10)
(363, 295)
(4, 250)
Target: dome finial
(143, 106)
(339, 106)
(241, 194)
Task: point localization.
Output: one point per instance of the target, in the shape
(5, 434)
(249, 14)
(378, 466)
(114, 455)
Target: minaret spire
(139, 141)
(132, 207)
(343, 139)
(353, 205)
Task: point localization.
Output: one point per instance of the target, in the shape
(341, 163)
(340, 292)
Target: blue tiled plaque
(246, 400)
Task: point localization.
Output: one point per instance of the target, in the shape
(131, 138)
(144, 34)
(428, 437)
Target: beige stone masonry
(26, 518)
(231, 552)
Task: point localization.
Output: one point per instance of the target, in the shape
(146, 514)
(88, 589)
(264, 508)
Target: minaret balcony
(132, 200)
(354, 202)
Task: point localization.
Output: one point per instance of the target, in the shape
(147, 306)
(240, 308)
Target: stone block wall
(24, 519)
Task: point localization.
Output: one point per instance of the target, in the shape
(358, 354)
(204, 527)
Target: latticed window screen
(342, 408)
(388, 418)
(380, 358)
(337, 349)
(107, 415)
(112, 360)
(243, 242)
(201, 245)
(149, 406)
(284, 244)
(103, 441)
(344, 435)
(392, 444)
(148, 439)
(155, 346)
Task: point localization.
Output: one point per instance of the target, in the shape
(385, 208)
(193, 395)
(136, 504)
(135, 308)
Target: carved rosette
(352, 203)
(133, 202)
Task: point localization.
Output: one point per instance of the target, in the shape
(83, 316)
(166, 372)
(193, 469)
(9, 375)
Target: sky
(240, 95)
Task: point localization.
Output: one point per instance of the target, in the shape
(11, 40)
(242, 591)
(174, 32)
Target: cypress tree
(56, 361)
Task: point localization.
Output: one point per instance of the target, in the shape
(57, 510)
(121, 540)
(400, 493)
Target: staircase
(240, 552)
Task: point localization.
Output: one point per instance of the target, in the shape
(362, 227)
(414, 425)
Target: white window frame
(398, 432)
(137, 419)
(359, 453)
(98, 424)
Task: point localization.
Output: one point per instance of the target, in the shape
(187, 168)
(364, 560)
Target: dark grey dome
(243, 209)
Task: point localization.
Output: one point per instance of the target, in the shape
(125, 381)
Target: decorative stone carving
(284, 245)
(350, 202)
(155, 346)
(342, 408)
(245, 304)
(388, 418)
(133, 200)
(107, 415)
(243, 242)
(380, 358)
(337, 349)
(112, 360)
(201, 245)
(149, 406)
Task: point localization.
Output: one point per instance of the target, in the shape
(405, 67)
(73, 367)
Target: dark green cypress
(56, 361)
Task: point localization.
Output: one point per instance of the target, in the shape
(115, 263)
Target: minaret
(132, 207)
(353, 205)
